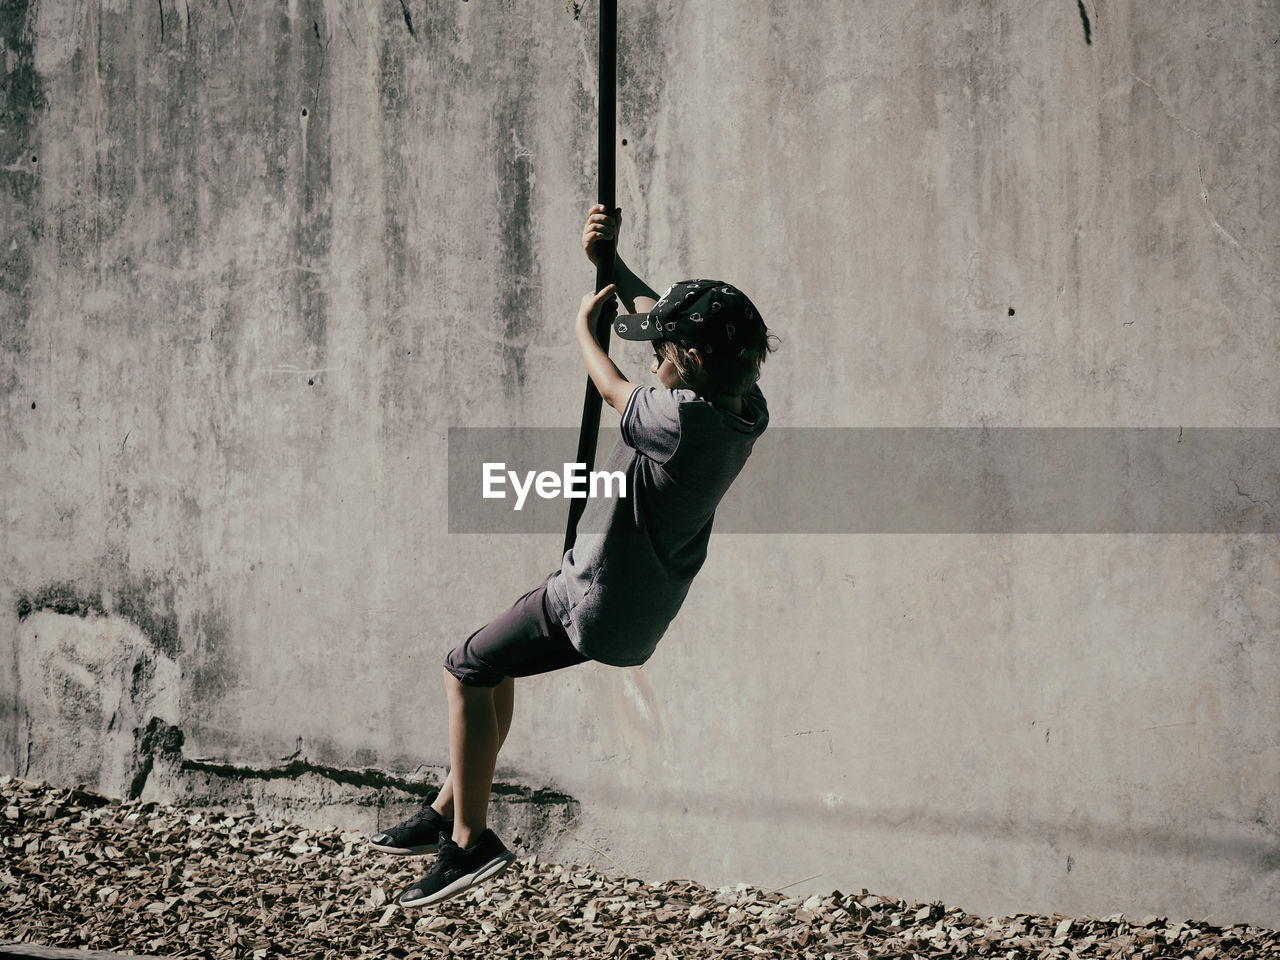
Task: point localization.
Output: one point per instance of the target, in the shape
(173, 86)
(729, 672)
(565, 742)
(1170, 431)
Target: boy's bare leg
(474, 739)
(504, 695)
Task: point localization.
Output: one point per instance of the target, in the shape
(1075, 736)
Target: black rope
(605, 178)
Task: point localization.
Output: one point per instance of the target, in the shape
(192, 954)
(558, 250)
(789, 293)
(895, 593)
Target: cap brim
(628, 327)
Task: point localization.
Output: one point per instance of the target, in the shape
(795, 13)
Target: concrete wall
(259, 258)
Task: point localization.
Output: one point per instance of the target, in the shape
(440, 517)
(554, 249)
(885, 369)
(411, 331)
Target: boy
(633, 559)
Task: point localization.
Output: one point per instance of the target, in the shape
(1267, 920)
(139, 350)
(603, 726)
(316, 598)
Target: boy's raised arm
(613, 386)
(636, 295)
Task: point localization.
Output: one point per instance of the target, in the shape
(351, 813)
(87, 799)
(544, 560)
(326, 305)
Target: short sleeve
(651, 422)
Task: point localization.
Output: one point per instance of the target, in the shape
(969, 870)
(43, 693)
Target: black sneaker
(418, 835)
(457, 870)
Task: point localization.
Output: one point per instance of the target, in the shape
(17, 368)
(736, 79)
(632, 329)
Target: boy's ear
(696, 355)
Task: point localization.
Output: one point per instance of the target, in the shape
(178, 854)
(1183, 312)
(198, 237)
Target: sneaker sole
(406, 851)
(489, 871)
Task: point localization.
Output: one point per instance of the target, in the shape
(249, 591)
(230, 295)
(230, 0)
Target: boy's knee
(456, 686)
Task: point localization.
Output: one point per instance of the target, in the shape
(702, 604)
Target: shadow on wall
(1260, 850)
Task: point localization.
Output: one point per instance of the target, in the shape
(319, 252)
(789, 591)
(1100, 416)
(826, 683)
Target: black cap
(712, 315)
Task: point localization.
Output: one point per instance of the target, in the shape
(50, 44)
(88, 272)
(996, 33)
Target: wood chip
(80, 871)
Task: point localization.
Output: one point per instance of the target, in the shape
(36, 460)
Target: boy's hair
(729, 375)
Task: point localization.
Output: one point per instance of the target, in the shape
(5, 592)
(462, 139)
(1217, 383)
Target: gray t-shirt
(633, 559)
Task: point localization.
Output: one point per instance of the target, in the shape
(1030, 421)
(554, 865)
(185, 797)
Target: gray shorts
(528, 639)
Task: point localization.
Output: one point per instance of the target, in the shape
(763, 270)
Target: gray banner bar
(918, 480)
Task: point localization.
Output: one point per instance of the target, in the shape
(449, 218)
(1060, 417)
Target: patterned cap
(709, 314)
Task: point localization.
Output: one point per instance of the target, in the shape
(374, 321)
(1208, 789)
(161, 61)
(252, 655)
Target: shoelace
(422, 816)
(446, 859)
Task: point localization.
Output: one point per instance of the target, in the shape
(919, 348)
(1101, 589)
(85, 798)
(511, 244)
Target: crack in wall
(164, 742)
(1204, 196)
(1239, 492)
(361, 777)
(1204, 190)
(1165, 107)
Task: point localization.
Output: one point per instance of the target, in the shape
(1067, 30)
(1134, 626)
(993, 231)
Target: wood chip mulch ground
(78, 870)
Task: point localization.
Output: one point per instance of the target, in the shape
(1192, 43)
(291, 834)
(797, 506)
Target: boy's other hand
(593, 304)
(608, 379)
(601, 225)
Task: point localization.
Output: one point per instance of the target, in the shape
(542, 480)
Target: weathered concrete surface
(258, 258)
(88, 688)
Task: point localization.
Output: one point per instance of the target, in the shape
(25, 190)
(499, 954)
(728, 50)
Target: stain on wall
(210, 664)
(518, 278)
(146, 603)
(87, 685)
(60, 598)
(308, 60)
(158, 741)
(22, 98)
